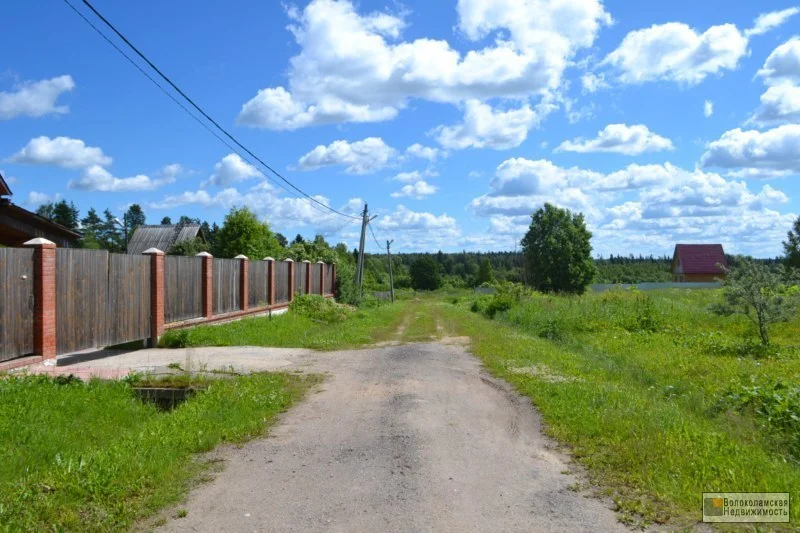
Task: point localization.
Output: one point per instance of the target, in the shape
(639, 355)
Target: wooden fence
(183, 288)
(16, 302)
(57, 301)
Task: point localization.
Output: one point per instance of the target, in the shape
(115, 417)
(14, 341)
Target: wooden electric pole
(391, 277)
(365, 219)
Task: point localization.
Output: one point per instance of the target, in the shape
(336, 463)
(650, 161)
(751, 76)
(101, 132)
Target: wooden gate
(16, 302)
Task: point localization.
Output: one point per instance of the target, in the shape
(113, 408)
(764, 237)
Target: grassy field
(297, 330)
(660, 399)
(91, 457)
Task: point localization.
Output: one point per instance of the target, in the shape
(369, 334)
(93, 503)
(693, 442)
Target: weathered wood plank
(183, 288)
(16, 302)
(226, 274)
(258, 283)
(281, 282)
(81, 296)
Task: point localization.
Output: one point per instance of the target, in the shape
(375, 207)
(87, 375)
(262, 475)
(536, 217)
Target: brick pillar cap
(289, 259)
(203, 254)
(44, 243)
(269, 259)
(153, 251)
(320, 262)
(306, 261)
(240, 256)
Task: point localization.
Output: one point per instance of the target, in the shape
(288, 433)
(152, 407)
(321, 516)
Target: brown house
(698, 262)
(18, 225)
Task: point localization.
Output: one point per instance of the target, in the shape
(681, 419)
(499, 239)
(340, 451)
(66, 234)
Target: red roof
(700, 258)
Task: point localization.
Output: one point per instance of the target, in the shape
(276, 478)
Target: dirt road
(399, 438)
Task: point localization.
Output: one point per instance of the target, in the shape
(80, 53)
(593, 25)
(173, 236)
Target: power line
(179, 104)
(375, 238)
(193, 104)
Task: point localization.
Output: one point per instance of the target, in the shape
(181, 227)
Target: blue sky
(674, 122)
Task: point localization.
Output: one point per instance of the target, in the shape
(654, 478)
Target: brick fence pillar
(44, 297)
(208, 284)
(270, 280)
(307, 267)
(156, 294)
(244, 282)
(321, 277)
(291, 278)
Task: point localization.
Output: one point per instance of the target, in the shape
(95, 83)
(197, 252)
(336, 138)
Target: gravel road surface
(414, 437)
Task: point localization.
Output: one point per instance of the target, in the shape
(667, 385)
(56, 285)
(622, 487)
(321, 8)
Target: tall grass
(651, 391)
(90, 457)
(297, 330)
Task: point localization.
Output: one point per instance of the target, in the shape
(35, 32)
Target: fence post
(307, 267)
(44, 297)
(244, 285)
(270, 280)
(333, 278)
(156, 294)
(321, 277)
(291, 278)
(208, 284)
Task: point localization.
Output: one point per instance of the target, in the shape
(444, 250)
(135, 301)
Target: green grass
(294, 330)
(637, 384)
(90, 457)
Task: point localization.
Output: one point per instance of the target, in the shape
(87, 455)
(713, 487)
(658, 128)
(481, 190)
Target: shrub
(776, 406)
(316, 307)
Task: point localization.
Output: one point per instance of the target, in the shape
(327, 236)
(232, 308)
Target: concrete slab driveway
(401, 438)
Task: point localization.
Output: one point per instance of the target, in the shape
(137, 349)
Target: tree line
(555, 253)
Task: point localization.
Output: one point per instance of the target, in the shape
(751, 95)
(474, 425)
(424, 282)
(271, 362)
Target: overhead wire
(302, 193)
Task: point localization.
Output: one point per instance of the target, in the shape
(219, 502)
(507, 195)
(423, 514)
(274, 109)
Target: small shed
(18, 225)
(698, 262)
(162, 236)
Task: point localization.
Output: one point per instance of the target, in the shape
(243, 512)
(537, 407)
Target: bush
(776, 406)
(316, 307)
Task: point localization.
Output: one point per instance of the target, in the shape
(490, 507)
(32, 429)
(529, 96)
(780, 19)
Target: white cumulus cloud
(35, 98)
(97, 178)
(60, 151)
(773, 150)
(231, 169)
(708, 108)
(355, 67)
(484, 127)
(359, 157)
(418, 190)
(621, 139)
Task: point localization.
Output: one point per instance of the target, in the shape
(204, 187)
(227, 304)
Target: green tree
(60, 212)
(134, 217)
(425, 274)
(166, 221)
(189, 248)
(281, 239)
(183, 220)
(66, 214)
(243, 233)
(485, 274)
(764, 295)
(791, 245)
(558, 251)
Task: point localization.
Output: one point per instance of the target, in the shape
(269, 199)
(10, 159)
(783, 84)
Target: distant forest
(463, 269)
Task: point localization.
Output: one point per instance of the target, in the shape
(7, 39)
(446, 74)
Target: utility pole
(365, 219)
(360, 266)
(391, 277)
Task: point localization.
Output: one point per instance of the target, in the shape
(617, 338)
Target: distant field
(659, 398)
